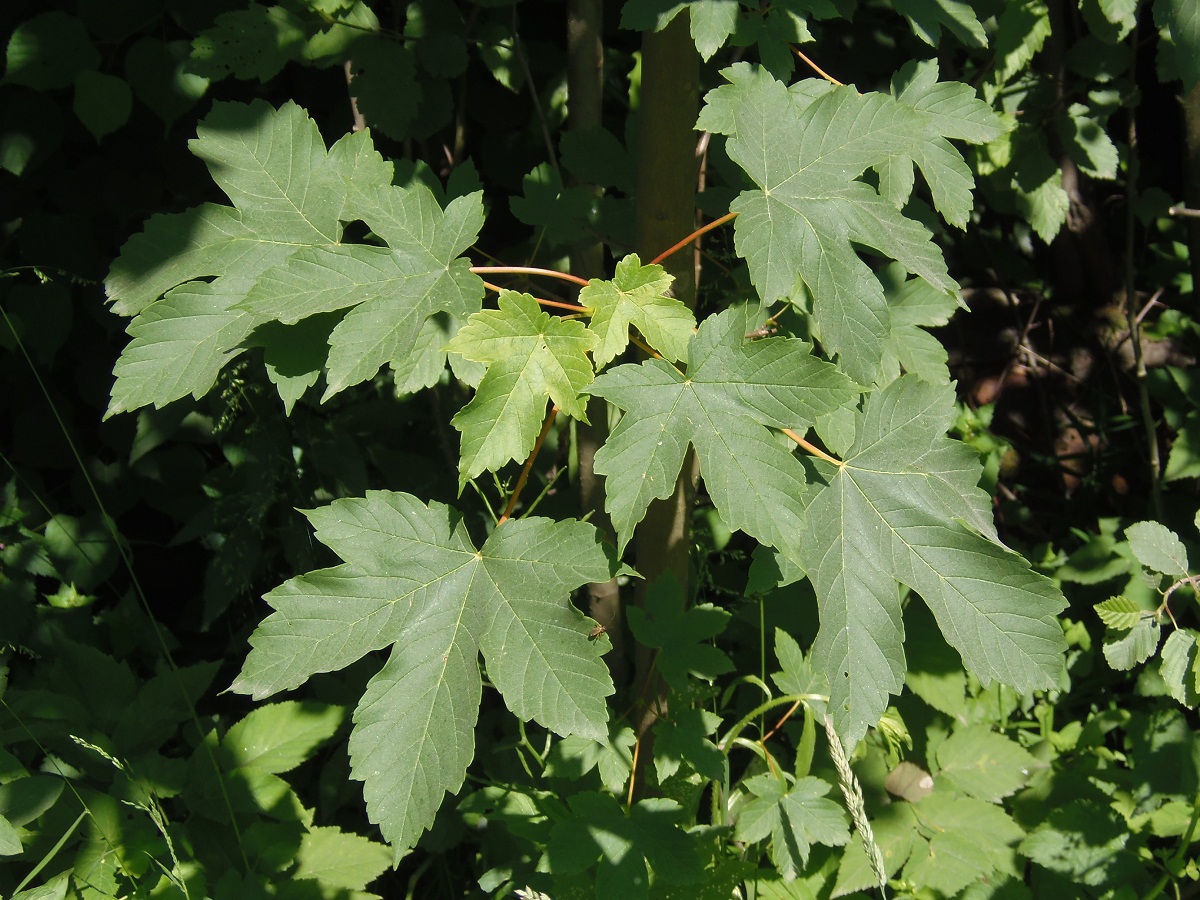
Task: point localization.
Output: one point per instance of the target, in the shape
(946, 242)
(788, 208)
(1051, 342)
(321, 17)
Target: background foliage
(237, 250)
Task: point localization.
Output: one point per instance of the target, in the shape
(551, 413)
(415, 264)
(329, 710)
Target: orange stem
(787, 715)
(528, 270)
(715, 223)
(811, 448)
(524, 477)
(574, 307)
(636, 340)
(818, 69)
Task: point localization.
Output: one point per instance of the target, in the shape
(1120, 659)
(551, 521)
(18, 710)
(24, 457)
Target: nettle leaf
(530, 356)
(967, 839)
(810, 209)
(905, 507)
(413, 580)
(983, 764)
(276, 256)
(637, 296)
(734, 392)
(947, 109)
(680, 635)
(1158, 548)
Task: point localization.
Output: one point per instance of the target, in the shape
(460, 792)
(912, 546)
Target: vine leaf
(276, 256)
(530, 357)
(809, 210)
(734, 392)
(637, 296)
(413, 580)
(905, 507)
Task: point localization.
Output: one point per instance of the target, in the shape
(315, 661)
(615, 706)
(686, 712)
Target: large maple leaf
(734, 392)
(905, 509)
(277, 255)
(412, 580)
(805, 148)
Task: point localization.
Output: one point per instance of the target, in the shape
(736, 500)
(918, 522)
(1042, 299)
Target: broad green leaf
(1183, 20)
(47, 51)
(712, 21)
(1127, 649)
(681, 636)
(10, 838)
(1022, 28)
(252, 43)
(280, 736)
(1079, 840)
(1088, 143)
(734, 391)
(623, 844)
(1158, 548)
(683, 738)
(1120, 612)
(276, 256)
(637, 296)
(929, 17)
(905, 507)
(530, 356)
(983, 764)
(943, 110)
(1181, 667)
(340, 860)
(970, 839)
(412, 580)
(810, 211)
(573, 757)
(913, 306)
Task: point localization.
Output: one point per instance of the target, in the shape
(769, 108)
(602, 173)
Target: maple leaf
(680, 636)
(413, 580)
(637, 296)
(734, 392)
(793, 818)
(276, 256)
(905, 508)
(810, 210)
(947, 109)
(913, 304)
(530, 357)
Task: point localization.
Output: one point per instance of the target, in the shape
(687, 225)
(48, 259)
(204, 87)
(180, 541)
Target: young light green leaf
(412, 579)
(280, 736)
(810, 210)
(340, 860)
(1158, 548)
(983, 764)
(1181, 667)
(1126, 649)
(1120, 613)
(905, 507)
(637, 296)
(530, 356)
(733, 392)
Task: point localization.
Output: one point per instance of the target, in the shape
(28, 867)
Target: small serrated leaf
(1120, 612)
(1157, 547)
(637, 296)
(1133, 647)
(1181, 666)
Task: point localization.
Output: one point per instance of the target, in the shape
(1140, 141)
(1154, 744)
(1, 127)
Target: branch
(541, 439)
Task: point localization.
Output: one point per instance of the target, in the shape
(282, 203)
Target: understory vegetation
(545, 449)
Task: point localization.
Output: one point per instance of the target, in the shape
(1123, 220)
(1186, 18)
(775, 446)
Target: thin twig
(541, 439)
(557, 304)
(811, 448)
(529, 270)
(634, 339)
(715, 223)
(817, 68)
